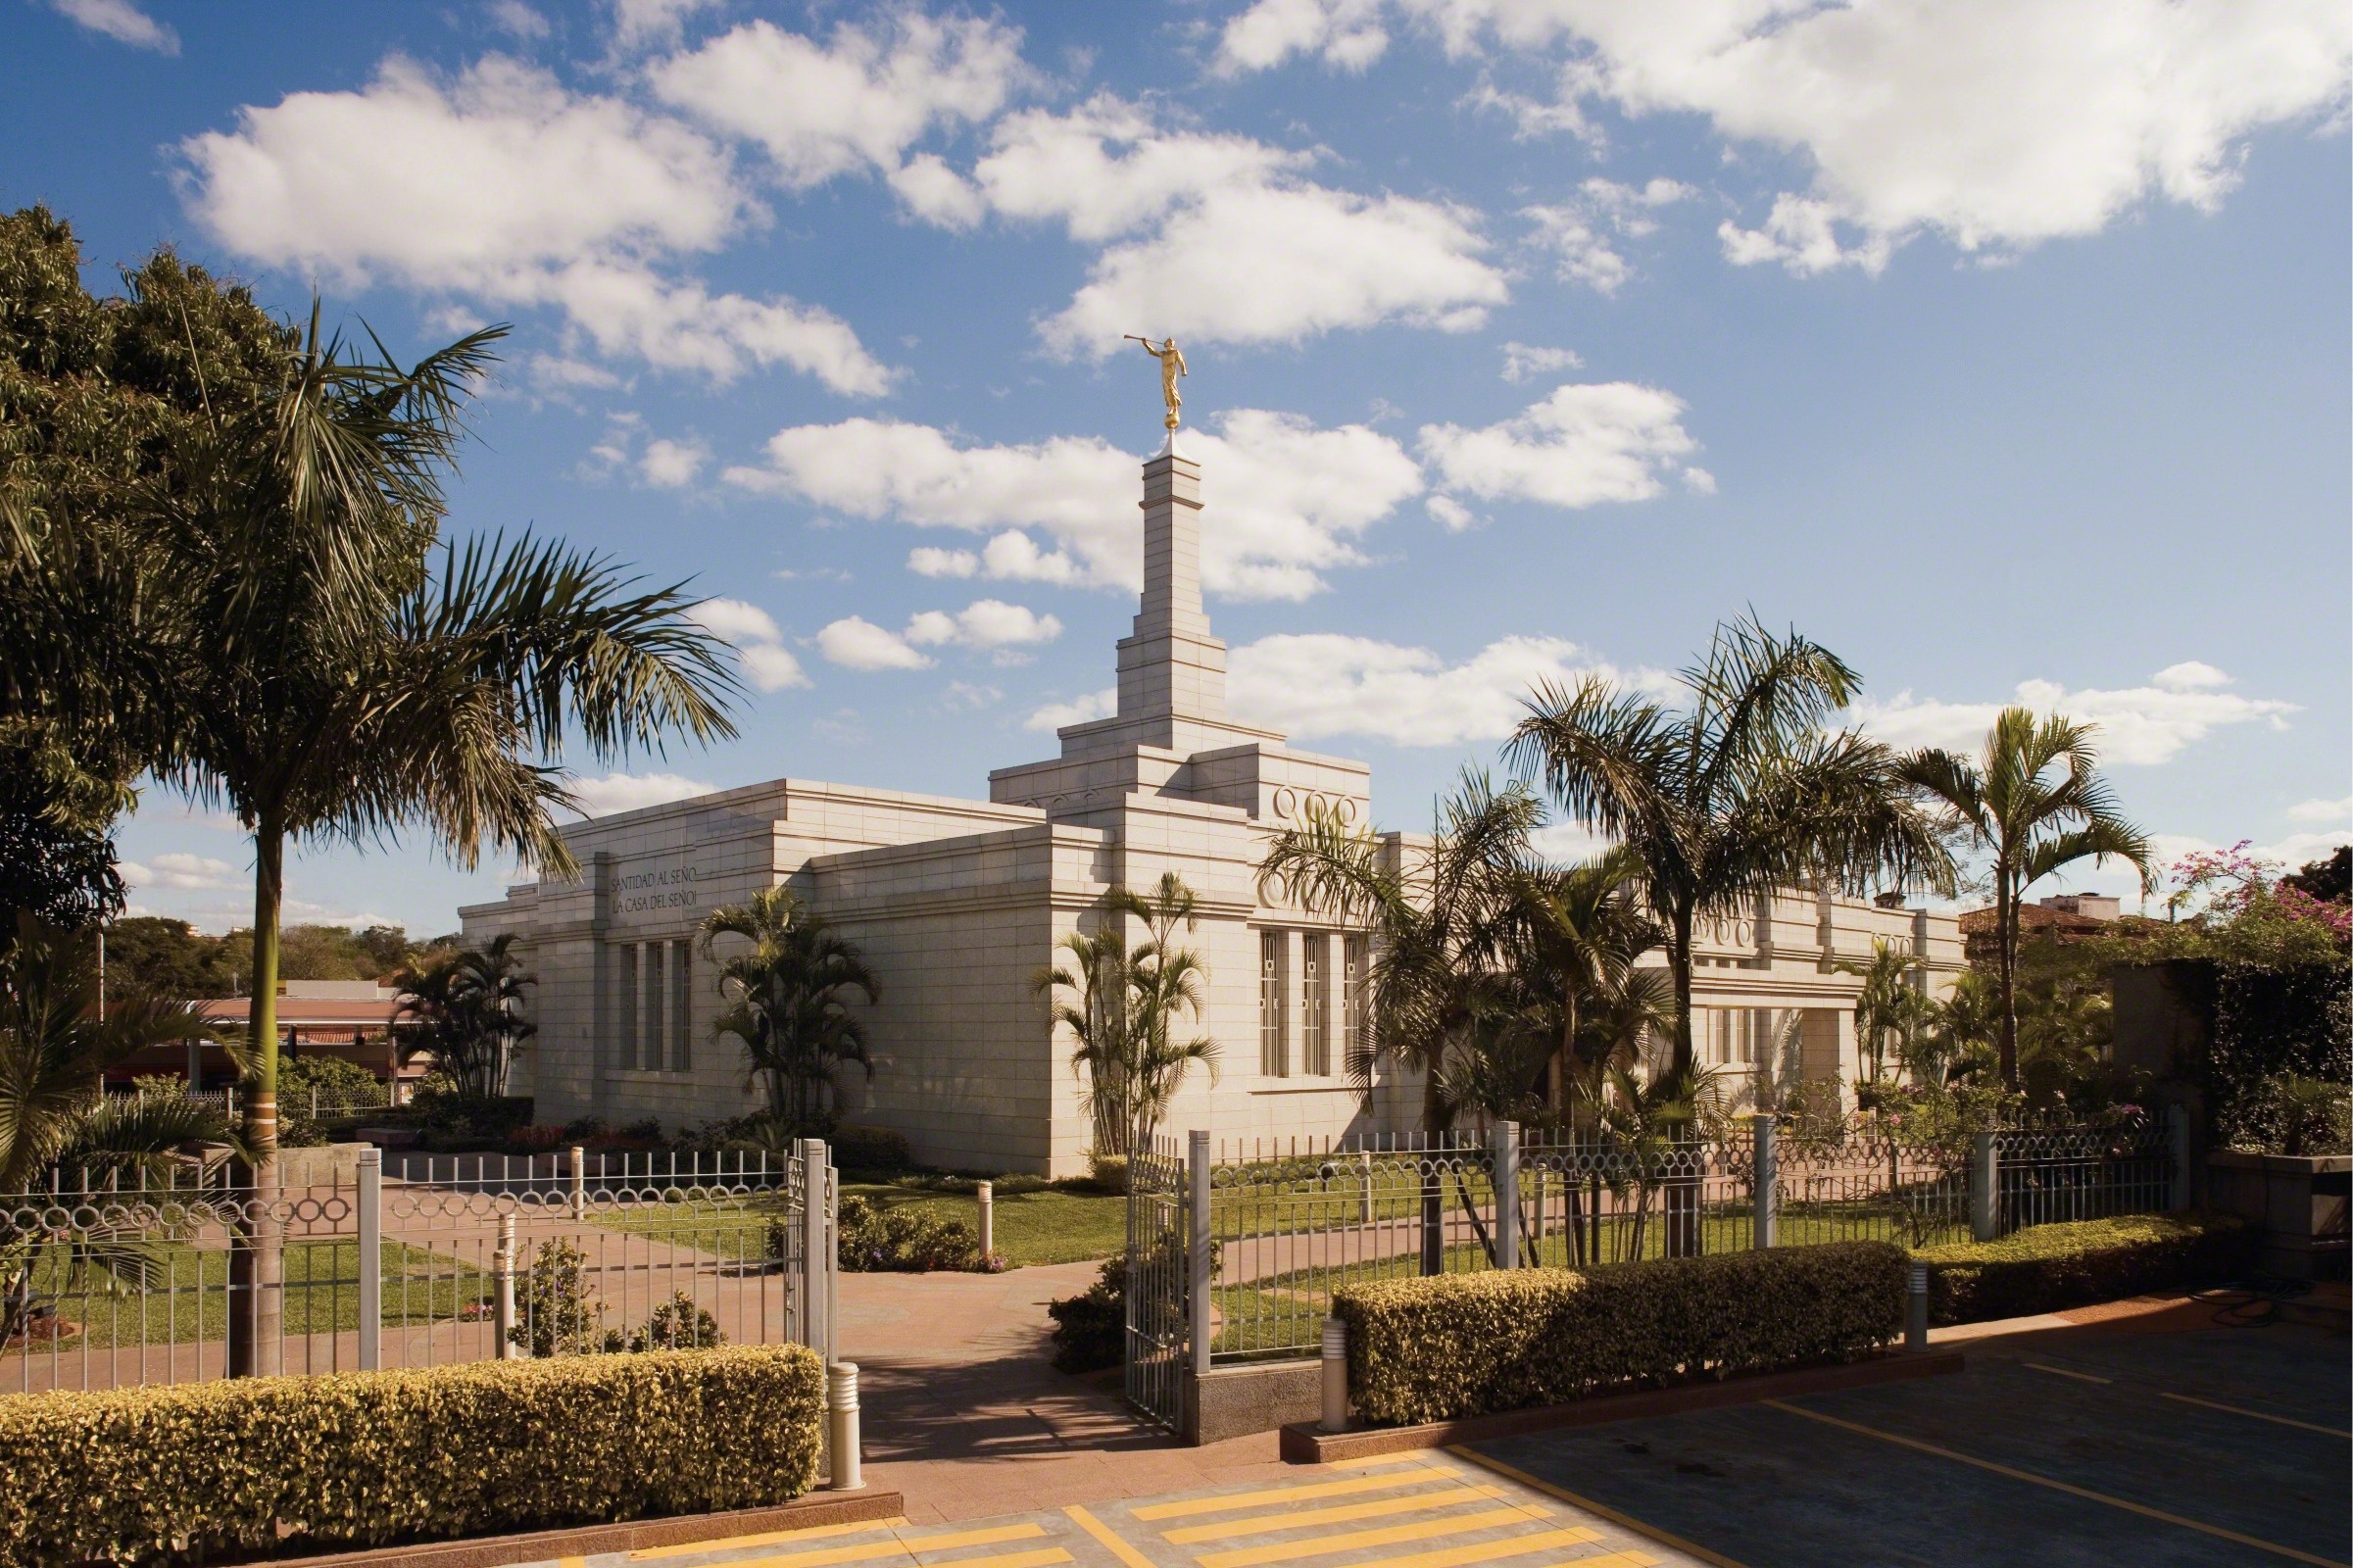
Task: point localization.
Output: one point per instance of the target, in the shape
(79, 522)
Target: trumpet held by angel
(1172, 366)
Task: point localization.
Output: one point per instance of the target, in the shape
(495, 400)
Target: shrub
(874, 1151)
(2045, 1267)
(1089, 1330)
(908, 1238)
(678, 1324)
(1109, 1172)
(340, 1084)
(554, 1315)
(1461, 1345)
(366, 1458)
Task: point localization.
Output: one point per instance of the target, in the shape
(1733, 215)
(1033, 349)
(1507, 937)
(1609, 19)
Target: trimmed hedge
(366, 1458)
(1462, 1345)
(2046, 1267)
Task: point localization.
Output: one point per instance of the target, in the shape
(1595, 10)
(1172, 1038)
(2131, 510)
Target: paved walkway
(1417, 1510)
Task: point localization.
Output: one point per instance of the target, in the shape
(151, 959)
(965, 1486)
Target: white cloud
(180, 870)
(758, 642)
(641, 24)
(1567, 843)
(502, 185)
(1583, 444)
(1523, 360)
(559, 375)
(1451, 514)
(983, 624)
(1323, 683)
(930, 560)
(736, 621)
(2140, 724)
(1581, 231)
(1078, 711)
(518, 20)
(2191, 675)
(858, 101)
(1998, 124)
(121, 21)
(667, 465)
(772, 668)
(629, 792)
(1346, 33)
(1283, 500)
(1223, 240)
(2336, 813)
(856, 643)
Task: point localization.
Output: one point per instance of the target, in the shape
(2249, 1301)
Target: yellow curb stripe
(2062, 1372)
(1487, 1550)
(1102, 1532)
(1624, 1521)
(1281, 1495)
(768, 1538)
(2276, 1420)
(1299, 1519)
(1355, 1540)
(897, 1546)
(2031, 1479)
(1043, 1558)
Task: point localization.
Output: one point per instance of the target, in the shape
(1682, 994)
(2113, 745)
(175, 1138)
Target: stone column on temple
(1172, 666)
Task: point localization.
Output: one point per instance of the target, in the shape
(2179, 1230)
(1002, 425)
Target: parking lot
(2166, 1442)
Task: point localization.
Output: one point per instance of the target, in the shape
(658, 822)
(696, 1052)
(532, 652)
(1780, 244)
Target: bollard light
(841, 1436)
(1916, 1309)
(1336, 1376)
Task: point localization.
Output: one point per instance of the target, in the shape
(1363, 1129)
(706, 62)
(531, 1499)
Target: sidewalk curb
(1302, 1443)
(635, 1534)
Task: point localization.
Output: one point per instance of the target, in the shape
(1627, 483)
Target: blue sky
(2001, 346)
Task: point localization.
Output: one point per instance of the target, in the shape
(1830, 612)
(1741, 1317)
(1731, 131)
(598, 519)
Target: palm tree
(467, 1004)
(1730, 799)
(1101, 1018)
(789, 995)
(1577, 932)
(1736, 795)
(1169, 983)
(1889, 1011)
(332, 681)
(2034, 802)
(1440, 922)
(1123, 1008)
(56, 1123)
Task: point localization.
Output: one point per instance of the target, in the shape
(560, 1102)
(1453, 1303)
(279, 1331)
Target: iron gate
(1156, 1341)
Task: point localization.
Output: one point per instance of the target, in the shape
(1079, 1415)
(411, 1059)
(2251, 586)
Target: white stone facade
(957, 905)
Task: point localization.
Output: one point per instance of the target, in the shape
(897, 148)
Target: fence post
(1367, 1157)
(1507, 1194)
(1915, 1329)
(502, 1302)
(1336, 1376)
(841, 1438)
(1984, 1197)
(2177, 1125)
(579, 1182)
(987, 1194)
(1768, 1179)
(816, 1290)
(1196, 1247)
(370, 1205)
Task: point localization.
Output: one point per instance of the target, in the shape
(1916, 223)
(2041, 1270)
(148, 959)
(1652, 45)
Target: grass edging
(1303, 1442)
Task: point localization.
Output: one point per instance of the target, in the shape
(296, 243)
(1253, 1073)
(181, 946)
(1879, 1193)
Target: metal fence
(1236, 1250)
(443, 1260)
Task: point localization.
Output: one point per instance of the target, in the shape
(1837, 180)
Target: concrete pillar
(1768, 1181)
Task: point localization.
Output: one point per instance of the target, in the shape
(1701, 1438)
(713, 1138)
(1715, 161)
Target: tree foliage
(467, 1008)
(788, 991)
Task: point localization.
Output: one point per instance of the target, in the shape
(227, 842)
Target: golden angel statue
(1172, 366)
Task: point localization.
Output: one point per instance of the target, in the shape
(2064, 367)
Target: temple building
(958, 904)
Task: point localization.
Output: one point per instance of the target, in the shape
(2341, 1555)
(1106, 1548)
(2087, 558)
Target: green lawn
(1034, 1225)
(186, 1298)
(1037, 1224)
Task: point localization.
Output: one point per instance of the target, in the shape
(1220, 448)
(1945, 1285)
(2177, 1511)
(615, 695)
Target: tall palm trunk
(257, 1260)
(2005, 936)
